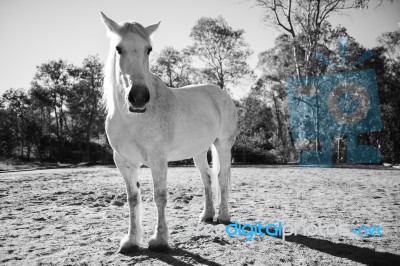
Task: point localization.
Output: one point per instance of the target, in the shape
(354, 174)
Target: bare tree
(174, 67)
(303, 20)
(305, 24)
(222, 49)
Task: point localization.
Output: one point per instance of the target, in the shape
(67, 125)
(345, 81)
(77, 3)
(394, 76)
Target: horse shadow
(357, 254)
(354, 253)
(363, 255)
(171, 256)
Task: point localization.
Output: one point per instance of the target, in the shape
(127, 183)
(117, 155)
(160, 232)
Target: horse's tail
(215, 173)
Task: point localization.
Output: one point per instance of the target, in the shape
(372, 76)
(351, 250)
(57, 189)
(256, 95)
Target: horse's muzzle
(138, 97)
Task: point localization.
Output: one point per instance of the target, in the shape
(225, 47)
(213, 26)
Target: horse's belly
(192, 138)
(189, 150)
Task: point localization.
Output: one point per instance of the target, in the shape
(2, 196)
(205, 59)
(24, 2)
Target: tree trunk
(22, 149)
(28, 152)
(280, 133)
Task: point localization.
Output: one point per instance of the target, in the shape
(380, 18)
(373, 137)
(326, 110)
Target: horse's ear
(111, 25)
(152, 28)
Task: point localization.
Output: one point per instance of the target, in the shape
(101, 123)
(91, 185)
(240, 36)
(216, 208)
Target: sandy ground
(78, 216)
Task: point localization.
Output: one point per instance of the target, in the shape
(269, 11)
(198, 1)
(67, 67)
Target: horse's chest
(133, 141)
(121, 137)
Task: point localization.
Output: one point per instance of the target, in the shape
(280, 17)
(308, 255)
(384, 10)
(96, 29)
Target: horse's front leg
(131, 242)
(159, 240)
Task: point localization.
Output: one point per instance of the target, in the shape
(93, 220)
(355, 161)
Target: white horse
(149, 123)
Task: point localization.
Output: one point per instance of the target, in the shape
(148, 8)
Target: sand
(78, 216)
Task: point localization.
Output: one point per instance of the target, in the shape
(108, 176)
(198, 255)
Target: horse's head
(132, 45)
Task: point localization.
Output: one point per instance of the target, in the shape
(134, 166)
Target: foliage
(85, 110)
(389, 93)
(59, 114)
(174, 67)
(256, 124)
(307, 33)
(18, 125)
(222, 49)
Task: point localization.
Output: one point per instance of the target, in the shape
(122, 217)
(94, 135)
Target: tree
(41, 109)
(222, 49)
(60, 113)
(389, 93)
(84, 105)
(53, 79)
(174, 67)
(303, 21)
(390, 41)
(20, 123)
(277, 67)
(7, 137)
(307, 35)
(256, 126)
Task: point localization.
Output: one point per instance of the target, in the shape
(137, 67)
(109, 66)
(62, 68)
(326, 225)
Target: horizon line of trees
(61, 116)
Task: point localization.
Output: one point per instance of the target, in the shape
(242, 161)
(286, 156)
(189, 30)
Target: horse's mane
(110, 72)
(110, 82)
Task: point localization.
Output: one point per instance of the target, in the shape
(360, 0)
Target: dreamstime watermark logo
(337, 104)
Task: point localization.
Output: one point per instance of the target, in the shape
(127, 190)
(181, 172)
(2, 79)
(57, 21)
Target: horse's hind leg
(131, 241)
(223, 147)
(201, 163)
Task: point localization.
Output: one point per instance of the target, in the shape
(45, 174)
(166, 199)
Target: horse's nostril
(147, 97)
(131, 98)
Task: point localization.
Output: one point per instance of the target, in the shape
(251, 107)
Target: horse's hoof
(206, 217)
(157, 244)
(128, 245)
(125, 250)
(223, 221)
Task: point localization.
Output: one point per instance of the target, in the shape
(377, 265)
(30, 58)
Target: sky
(36, 31)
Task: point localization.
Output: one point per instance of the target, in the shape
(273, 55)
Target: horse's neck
(160, 89)
(118, 97)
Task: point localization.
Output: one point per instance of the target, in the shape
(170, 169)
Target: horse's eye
(149, 50)
(119, 51)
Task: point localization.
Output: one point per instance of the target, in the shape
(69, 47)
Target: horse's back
(200, 93)
(212, 103)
